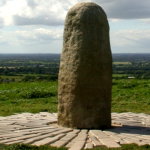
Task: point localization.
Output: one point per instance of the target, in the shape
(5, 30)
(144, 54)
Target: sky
(36, 26)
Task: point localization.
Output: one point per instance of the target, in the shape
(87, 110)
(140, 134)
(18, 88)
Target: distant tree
(6, 72)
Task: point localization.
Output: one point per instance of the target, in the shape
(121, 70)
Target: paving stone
(55, 114)
(31, 140)
(81, 137)
(99, 134)
(13, 130)
(2, 118)
(88, 146)
(36, 129)
(94, 140)
(11, 135)
(68, 137)
(78, 145)
(48, 140)
(137, 142)
(59, 143)
(83, 131)
(114, 130)
(20, 138)
(121, 141)
(62, 131)
(128, 135)
(110, 132)
(76, 131)
(109, 143)
(14, 142)
(128, 141)
(31, 124)
(144, 136)
(117, 139)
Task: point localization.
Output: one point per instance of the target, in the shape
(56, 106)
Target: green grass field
(120, 75)
(131, 95)
(28, 97)
(127, 96)
(121, 63)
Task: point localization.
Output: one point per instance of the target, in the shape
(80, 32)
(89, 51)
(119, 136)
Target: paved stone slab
(68, 137)
(88, 146)
(34, 129)
(94, 140)
(109, 143)
(20, 138)
(132, 130)
(14, 142)
(99, 134)
(83, 131)
(31, 140)
(76, 131)
(81, 137)
(78, 145)
(62, 131)
(48, 140)
(59, 143)
(11, 135)
(134, 140)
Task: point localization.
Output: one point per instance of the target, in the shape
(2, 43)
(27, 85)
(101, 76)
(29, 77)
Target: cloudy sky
(36, 26)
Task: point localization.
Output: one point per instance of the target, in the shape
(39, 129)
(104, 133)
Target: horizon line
(60, 53)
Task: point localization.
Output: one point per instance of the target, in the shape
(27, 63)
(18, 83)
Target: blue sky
(36, 26)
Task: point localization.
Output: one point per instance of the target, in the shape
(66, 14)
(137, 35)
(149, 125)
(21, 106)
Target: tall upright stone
(85, 75)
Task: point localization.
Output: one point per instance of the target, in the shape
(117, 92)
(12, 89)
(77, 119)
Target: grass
(47, 147)
(127, 96)
(131, 96)
(28, 147)
(28, 97)
(120, 75)
(121, 63)
(18, 78)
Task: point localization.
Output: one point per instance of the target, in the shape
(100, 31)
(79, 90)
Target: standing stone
(85, 75)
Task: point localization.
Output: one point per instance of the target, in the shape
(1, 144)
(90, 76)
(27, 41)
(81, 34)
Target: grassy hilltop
(128, 95)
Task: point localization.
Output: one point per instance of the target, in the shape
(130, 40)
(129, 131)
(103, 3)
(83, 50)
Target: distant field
(7, 67)
(121, 63)
(120, 75)
(17, 78)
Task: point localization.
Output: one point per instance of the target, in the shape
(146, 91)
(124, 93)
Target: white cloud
(1, 22)
(30, 12)
(146, 21)
(131, 39)
(29, 37)
(2, 2)
(32, 3)
(53, 12)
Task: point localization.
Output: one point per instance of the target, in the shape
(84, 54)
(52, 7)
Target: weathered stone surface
(88, 146)
(85, 75)
(109, 143)
(78, 145)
